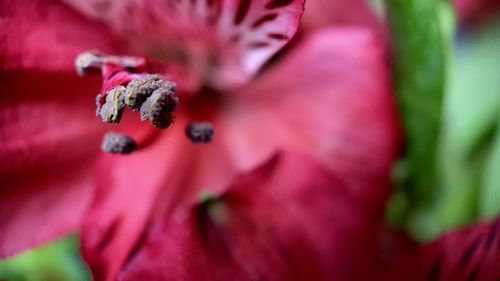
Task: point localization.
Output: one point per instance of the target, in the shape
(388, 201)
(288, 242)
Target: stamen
(88, 63)
(92, 62)
(112, 110)
(200, 132)
(159, 106)
(149, 93)
(118, 143)
(138, 90)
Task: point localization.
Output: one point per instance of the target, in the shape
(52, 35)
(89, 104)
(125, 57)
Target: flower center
(127, 84)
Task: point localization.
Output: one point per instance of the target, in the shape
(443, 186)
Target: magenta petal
(45, 35)
(224, 42)
(288, 220)
(331, 98)
(471, 253)
(127, 189)
(134, 189)
(471, 11)
(49, 139)
(321, 13)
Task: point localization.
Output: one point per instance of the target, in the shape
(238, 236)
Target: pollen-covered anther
(118, 143)
(138, 90)
(200, 132)
(89, 62)
(159, 106)
(112, 109)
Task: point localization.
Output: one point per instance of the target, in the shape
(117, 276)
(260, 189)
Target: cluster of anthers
(126, 84)
(149, 93)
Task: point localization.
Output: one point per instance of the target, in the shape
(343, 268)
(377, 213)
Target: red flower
(327, 97)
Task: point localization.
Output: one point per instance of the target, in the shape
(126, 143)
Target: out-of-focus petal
(45, 35)
(224, 42)
(133, 190)
(49, 138)
(470, 11)
(331, 98)
(321, 13)
(288, 220)
(471, 253)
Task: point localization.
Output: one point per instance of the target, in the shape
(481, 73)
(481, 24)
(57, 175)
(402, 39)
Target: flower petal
(471, 253)
(330, 97)
(470, 11)
(49, 138)
(225, 42)
(45, 35)
(133, 190)
(321, 13)
(288, 220)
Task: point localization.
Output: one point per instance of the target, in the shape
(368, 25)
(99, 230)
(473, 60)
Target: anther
(118, 143)
(159, 106)
(88, 63)
(200, 132)
(138, 90)
(112, 109)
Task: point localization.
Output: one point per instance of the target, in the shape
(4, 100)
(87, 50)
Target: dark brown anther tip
(138, 90)
(159, 106)
(200, 132)
(118, 143)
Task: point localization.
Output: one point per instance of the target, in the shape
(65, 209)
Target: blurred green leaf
(419, 56)
(58, 261)
(471, 144)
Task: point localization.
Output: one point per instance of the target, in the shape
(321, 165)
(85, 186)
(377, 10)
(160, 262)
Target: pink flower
(327, 97)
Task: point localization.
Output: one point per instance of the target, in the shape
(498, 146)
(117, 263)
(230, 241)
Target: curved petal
(330, 97)
(49, 139)
(471, 253)
(45, 35)
(224, 42)
(134, 189)
(322, 13)
(288, 220)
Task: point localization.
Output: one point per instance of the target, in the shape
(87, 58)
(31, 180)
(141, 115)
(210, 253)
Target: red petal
(321, 13)
(330, 97)
(476, 10)
(134, 189)
(468, 254)
(288, 220)
(44, 35)
(49, 138)
(223, 42)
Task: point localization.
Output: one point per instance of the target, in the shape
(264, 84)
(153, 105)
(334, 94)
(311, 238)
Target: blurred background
(466, 186)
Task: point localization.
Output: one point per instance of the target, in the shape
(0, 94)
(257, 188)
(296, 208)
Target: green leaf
(58, 261)
(469, 150)
(419, 59)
